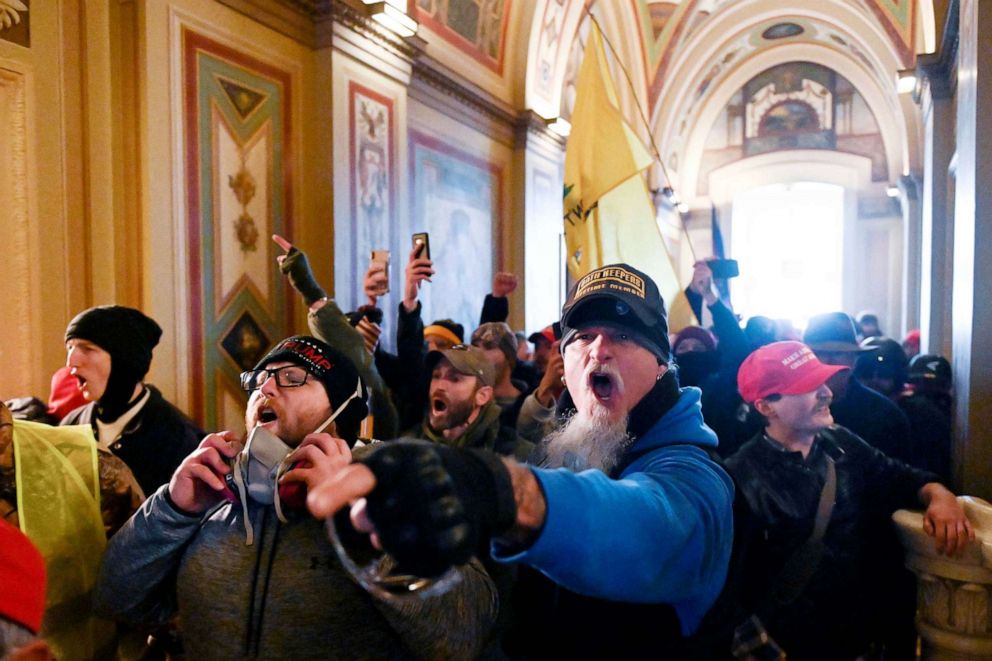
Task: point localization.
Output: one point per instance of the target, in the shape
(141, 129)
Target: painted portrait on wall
(372, 223)
(455, 198)
(371, 126)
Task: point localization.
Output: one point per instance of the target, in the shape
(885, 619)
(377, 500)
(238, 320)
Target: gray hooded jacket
(284, 597)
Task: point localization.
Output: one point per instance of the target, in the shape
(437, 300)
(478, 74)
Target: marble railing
(954, 602)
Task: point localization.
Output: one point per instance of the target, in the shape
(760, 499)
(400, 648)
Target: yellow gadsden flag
(608, 214)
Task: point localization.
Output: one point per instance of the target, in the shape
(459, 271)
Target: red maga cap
(782, 368)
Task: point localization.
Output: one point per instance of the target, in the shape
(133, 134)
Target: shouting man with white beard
(625, 518)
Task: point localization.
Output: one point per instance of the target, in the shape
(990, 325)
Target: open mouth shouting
(438, 405)
(605, 385)
(266, 415)
(84, 386)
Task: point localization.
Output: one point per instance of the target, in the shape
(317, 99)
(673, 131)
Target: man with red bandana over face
(249, 571)
(626, 519)
(785, 475)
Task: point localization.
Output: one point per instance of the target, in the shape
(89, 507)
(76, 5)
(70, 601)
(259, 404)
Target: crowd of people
(616, 491)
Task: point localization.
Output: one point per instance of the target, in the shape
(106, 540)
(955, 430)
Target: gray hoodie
(284, 597)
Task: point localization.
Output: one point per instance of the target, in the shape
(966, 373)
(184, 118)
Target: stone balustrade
(954, 602)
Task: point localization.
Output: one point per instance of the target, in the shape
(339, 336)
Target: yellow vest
(58, 506)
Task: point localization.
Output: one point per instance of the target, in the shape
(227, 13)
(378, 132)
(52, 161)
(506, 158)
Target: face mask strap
(337, 412)
(284, 465)
(239, 482)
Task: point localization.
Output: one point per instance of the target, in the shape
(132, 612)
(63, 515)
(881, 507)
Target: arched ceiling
(687, 58)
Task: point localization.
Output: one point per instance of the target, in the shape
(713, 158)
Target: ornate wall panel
(16, 337)
(458, 198)
(237, 128)
(372, 157)
(898, 17)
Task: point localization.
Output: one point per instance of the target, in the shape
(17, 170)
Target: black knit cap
(333, 369)
(125, 333)
(129, 337)
(621, 295)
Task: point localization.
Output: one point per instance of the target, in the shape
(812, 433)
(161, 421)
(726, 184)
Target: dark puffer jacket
(153, 443)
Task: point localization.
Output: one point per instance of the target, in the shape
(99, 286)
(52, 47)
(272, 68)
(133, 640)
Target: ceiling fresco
(667, 27)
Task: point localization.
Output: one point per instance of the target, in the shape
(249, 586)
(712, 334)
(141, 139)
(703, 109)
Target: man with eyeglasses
(499, 344)
(228, 545)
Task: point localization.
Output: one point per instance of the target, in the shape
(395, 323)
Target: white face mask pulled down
(256, 470)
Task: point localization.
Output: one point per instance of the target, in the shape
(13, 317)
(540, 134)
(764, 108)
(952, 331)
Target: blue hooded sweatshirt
(660, 533)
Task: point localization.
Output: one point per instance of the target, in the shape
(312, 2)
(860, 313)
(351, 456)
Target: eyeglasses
(290, 376)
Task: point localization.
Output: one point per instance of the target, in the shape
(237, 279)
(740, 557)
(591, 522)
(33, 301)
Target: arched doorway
(790, 239)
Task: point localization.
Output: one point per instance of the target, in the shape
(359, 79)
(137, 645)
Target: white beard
(587, 441)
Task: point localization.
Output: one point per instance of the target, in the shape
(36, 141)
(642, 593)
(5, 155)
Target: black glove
(297, 268)
(435, 506)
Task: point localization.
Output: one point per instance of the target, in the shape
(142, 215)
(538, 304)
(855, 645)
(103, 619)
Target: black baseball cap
(620, 295)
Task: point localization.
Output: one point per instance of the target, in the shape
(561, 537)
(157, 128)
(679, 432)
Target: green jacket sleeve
(329, 324)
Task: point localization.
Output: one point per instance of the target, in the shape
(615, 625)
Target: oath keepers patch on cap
(618, 294)
(613, 279)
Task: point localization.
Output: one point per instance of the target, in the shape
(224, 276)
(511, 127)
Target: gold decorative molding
(10, 13)
(15, 22)
(243, 185)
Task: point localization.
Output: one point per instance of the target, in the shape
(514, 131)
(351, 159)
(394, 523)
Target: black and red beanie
(333, 369)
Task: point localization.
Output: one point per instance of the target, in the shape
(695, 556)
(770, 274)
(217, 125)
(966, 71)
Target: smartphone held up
(422, 243)
(380, 262)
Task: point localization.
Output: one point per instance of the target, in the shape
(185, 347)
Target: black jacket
(153, 444)
(832, 617)
(873, 417)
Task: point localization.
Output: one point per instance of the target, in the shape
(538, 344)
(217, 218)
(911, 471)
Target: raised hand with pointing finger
(295, 265)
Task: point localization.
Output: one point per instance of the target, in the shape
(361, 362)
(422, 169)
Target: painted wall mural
(549, 46)
(898, 17)
(373, 184)
(797, 105)
(476, 27)
(457, 198)
(237, 126)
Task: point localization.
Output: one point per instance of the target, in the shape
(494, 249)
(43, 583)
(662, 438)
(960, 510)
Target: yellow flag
(608, 213)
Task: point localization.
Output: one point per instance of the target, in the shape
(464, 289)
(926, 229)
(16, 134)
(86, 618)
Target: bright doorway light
(788, 239)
